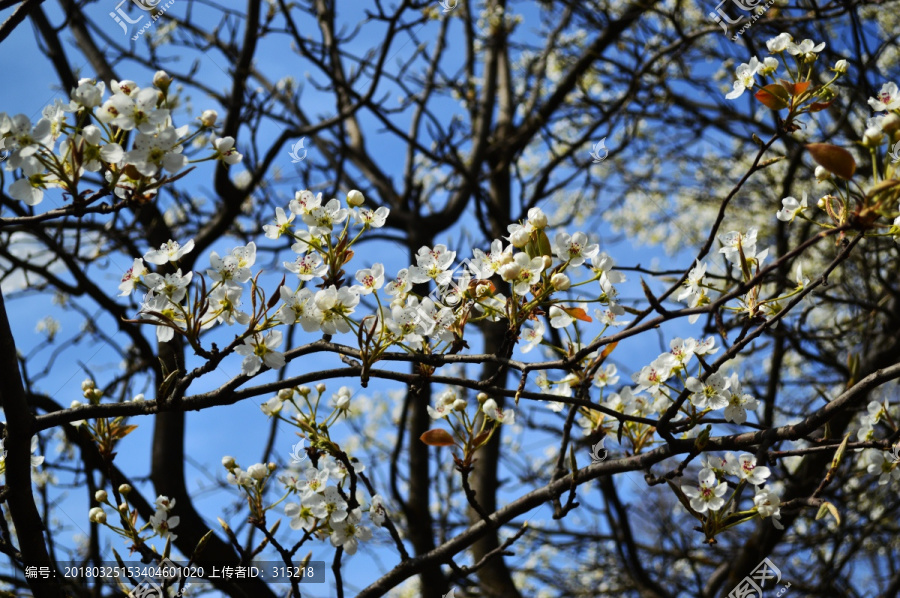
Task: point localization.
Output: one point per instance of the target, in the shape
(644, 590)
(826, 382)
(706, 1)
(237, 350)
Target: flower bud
(87, 385)
(537, 218)
(320, 388)
(208, 118)
(891, 123)
(228, 462)
(505, 258)
(304, 391)
(355, 198)
(138, 398)
(520, 238)
(548, 261)
(459, 405)
(162, 80)
(510, 272)
(123, 508)
(872, 137)
(97, 515)
(257, 471)
(272, 466)
(285, 394)
(125, 489)
(560, 281)
(841, 66)
(481, 397)
(822, 174)
(101, 496)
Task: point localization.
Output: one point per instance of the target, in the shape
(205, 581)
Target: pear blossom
(532, 336)
(25, 138)
(348, 533)
(805, 48)
(162, 524)
(304, 203)
(738, 402)
(560, 318)
(301, 517)
(767, 505)
(377, 510)
(779, 43)
(299, 306)
(610, 315)
(88, 94)
(371, 218)
(606, 376)
(94, 152)
(137, 111)
(400, 285)
(316, 480)
(307, 267)
(172, 286)
(444, 404)
(370, 279)
(36, 460)
(745, 467)
(170, 314)
(258, 350)
(602, 265)
(158, 149)
(30, 188)
(492, 411)
(282, 224)
(432, 264)
(341, 399)
(574, 249)
(708, 496)
(522, 272)
(884, 465)
(486, 264)
(322, 219)
(335, 304)
(745, 75)
(888, 98)
(709, 394)
(790, 208)
(170, 251)
(224, 302)
(328, 505)
(272, 407)
(226, 151)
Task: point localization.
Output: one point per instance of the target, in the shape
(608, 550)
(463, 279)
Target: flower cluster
(97, 142)
(709, 494)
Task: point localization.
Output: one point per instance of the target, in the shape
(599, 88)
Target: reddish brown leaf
(834, 159)
(819, 106)
(794, 89)
(578, 313)
(609, 349)
(773, 96)
(437, 437)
